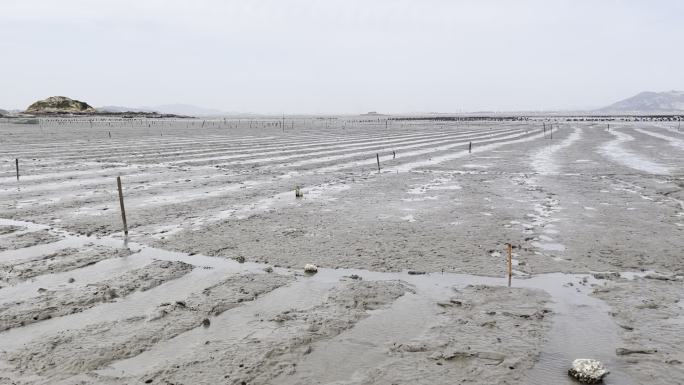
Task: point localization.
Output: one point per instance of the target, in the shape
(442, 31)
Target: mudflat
(408, 223)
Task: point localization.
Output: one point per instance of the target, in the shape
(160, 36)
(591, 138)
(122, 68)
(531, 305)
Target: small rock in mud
(413, 272)
(607, 275)
(206, 322)
(268, 269)
(588, 371)
(239, 259)
(71, 280)
(311, 269)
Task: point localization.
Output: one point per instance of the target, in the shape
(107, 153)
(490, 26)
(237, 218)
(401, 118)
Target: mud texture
(59, 262)
(56, 303)
(13, 239)
(650, 315)
(75, 351)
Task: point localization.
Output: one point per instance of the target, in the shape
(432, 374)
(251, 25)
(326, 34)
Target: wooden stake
(16, 163)
(377, 156)
(470, 147)
(510, 263)
(121, 203)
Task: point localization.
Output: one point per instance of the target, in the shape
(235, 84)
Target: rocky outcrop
(60, 105)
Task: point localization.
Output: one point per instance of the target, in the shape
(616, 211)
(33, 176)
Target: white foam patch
(674, 142)
(549, 246)
(409, 218)
(615, 151)
(543, 161)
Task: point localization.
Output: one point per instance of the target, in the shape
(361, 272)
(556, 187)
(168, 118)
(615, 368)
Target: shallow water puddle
(364, 347)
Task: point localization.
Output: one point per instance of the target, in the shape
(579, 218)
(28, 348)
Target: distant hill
(185, 109)
(119, 109)
(59, 105)
(649, 102)
(176, 109)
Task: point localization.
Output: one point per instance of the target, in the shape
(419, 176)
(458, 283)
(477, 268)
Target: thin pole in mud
(16, 163)
(510, 263)
(377, 156)
(551, 131)
(394, 154)
(470, 147)
(121, 203)
(110, 134)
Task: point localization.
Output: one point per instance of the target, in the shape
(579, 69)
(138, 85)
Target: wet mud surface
(208, 287)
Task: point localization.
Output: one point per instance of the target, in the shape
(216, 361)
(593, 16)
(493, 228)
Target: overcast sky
(340, 56)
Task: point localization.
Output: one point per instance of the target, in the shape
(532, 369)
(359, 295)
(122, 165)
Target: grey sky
(340, 56)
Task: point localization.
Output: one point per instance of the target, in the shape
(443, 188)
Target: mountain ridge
(649, 101)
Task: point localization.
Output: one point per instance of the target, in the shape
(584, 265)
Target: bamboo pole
(510, 263)
(121, 203)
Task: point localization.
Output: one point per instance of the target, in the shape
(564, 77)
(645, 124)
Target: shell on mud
(311, 269)
(588, 371)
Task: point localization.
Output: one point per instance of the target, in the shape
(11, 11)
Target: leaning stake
(510, 263)
(121, 203)
(377, 156)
